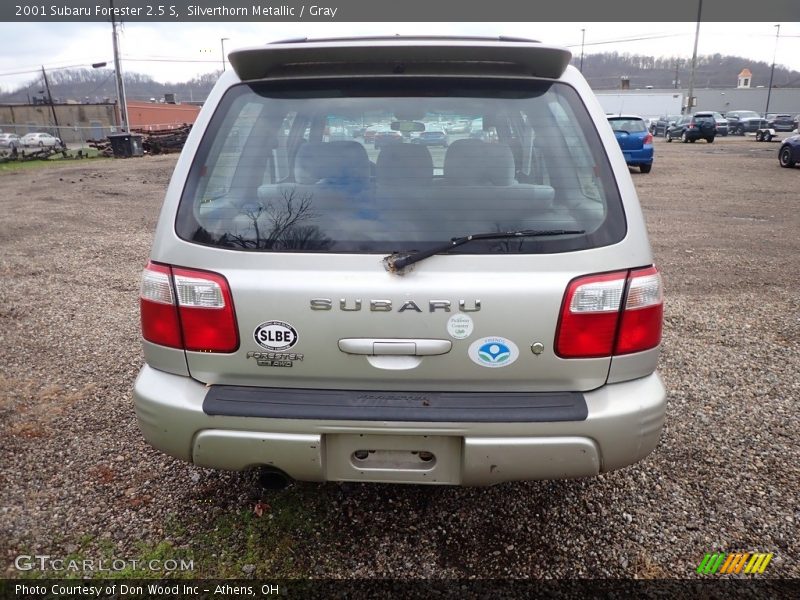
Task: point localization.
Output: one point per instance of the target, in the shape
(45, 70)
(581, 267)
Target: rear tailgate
(630, 141)
(363, 328)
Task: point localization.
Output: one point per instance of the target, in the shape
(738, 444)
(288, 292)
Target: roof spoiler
(400, 56)
(421, 38)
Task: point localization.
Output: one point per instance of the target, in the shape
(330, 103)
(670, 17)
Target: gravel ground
(77, 480)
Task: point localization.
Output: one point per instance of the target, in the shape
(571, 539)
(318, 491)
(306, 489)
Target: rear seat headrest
(335, 163)
(406, 164)
(475, 162)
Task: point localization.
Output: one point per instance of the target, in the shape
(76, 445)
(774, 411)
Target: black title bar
(211, 11)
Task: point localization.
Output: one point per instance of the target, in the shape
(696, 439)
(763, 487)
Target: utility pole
(677, 65)
(222, 43)
(121, 99)
(52, 106)
(772, 71)
(583, 38)
(690, 101)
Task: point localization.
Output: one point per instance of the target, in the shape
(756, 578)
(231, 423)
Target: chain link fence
(73, 136)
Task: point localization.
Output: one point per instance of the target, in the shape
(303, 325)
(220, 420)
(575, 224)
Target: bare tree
(281, 224)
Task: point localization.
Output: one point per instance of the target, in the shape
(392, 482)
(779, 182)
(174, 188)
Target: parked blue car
(635, 141)
(431, 138)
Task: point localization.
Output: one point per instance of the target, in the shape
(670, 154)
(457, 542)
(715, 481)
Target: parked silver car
(722, 124)
(9, 140)
(471, 315)
(40, 139)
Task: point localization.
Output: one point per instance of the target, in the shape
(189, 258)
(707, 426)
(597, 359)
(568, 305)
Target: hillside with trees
(99, 85)
(603, 71)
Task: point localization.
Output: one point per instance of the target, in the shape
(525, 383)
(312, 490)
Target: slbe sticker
(493, 352)
(459, 326)
(275, 335)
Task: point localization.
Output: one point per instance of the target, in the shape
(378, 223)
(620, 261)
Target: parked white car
(40, 139)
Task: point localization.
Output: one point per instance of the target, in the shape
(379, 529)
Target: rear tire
(785, 158)
(669, 139)
(645, 168)
(710, 140)
(684, 137)
(759, 136)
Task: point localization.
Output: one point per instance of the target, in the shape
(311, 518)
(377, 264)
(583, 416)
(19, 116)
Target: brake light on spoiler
(611, 314)
(187, 309)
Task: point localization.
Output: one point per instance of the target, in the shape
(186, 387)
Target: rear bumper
(622, 425)
(753, 126)
(639, 157)
(693, 134)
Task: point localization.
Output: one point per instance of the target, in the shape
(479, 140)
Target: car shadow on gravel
(519, 529)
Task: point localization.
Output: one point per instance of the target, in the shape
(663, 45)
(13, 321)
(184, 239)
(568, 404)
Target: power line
(39, 70)
(172, 60)
(632, 39)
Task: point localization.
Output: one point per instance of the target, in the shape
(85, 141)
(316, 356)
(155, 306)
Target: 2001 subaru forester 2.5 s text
(467, 315)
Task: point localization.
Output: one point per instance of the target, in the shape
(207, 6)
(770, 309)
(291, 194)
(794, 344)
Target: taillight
(690, 126)
(594, 322)
(197, 316)
(157, 306)
(643, 314)
(206, 311)
(648, 139)
(589, 316)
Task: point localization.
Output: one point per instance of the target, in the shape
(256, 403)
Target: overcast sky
(178, 51)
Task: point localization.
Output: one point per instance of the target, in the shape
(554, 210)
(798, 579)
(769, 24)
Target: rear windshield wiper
(395, 263)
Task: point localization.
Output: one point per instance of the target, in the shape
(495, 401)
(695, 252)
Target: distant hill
(99, 85)
(603, 71)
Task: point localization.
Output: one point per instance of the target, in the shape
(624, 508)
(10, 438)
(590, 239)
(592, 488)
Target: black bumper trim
(362, 405)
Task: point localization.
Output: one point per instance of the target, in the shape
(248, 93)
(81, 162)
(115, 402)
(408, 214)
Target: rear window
(628, 125)
(284, 167)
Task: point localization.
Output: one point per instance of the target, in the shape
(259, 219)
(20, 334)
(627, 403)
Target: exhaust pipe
(273, 479)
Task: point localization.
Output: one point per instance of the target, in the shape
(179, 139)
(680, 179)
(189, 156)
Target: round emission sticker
(460, 326)
(275, 335)
(493, 352)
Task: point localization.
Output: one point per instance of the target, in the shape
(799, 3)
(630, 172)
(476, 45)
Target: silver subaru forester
(332, 297)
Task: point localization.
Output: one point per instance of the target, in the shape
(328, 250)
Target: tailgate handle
(394, 346)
